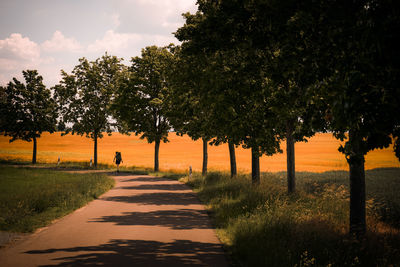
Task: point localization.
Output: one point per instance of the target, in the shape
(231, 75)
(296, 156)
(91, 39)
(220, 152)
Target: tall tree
(237, 90)
(284, 31)
(85, 95)
(187, 112)
(362, 91)
(27, 110)
(140, 102)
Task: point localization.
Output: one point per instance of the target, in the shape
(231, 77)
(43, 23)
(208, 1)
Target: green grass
(264, 226)
(32, 198)
(79, 165)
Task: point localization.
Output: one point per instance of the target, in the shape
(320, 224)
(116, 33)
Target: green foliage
(264, 226)
(27, 109)
(33, 198)
(302, 67)
(84, 96)
(140, 100)
(361, 89)
(230, 86)
(187, 111)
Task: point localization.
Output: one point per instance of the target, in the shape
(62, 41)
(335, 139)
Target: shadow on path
(175, 219)
(171, 187)
(119, 252)
(157, 199)
(146, 179)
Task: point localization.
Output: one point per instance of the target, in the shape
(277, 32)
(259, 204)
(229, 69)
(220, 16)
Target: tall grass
(32, 198)
(264, 226)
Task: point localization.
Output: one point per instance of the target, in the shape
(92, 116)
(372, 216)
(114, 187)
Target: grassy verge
(32, 198)
(80, 165)
(264, 226)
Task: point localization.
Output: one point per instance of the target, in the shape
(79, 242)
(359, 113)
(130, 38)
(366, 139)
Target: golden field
(319, 154)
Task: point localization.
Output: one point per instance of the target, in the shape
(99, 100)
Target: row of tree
(248, 72)
(97, 97)
(272, 70)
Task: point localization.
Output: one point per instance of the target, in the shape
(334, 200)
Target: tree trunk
(34, 150)
(357, 186)
(232, 158)
(255, 167)
(95, 150)
(156, 152)
(205, 157)
(290, 161)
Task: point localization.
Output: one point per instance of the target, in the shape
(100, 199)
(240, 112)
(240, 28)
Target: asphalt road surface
(142, 221)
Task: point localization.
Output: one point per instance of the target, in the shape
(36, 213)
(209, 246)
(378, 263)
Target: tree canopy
(235, 92)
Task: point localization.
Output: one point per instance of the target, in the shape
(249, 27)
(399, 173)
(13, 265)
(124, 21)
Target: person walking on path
(118, 159)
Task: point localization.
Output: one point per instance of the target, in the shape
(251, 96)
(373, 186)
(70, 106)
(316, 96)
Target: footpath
(142, 221)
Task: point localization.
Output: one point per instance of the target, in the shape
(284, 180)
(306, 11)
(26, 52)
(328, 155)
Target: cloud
(18, 53)
(19, 48)
(157, 17)
(59, 43)
(114, 42)
(160, 40)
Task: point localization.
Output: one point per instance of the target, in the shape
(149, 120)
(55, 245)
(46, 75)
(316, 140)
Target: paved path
(143, 221)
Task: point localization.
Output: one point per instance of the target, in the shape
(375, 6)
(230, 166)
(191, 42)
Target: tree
(27, 110)
(187, 113)
(362, 91)
(342, 55)
(236, 94)
(85, 96)
(140, 101)
(284, 30)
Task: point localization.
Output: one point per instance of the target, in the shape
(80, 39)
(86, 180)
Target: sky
(51, 35)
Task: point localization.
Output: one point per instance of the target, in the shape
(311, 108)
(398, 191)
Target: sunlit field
(319, 154)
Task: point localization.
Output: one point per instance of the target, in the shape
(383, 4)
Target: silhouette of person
(117, 159)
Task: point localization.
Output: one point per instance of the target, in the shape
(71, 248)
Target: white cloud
(170, 6)
(60, 43)
(114, 42)
(19, 53)
(160, 40)
(19, 48)
(152, 16)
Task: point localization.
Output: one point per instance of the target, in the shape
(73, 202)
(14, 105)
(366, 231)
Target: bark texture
(255, 167)
(95, 150)
(357, 186)
(205, 157)
(34, 150)
(156, 153)
(290, 160)
(232, 157)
